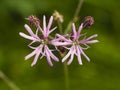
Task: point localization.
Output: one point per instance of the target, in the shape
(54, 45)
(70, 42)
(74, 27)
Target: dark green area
(102, 73)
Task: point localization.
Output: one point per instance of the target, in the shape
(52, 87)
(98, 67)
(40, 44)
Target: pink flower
(75, 43)
(43, 41)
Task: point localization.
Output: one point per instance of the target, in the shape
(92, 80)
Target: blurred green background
(102, 73)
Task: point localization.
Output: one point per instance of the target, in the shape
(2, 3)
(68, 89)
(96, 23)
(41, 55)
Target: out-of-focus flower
(57, 16)
(43, 40)
(74, 44)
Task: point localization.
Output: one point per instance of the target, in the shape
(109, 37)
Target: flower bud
(88, 22)
(33, 20)
(57, 16)
(61, 49)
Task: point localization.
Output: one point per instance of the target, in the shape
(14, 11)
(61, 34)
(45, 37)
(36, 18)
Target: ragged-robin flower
(74, 44)
(43, 40)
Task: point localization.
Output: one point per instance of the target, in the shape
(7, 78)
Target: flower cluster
(70, 43)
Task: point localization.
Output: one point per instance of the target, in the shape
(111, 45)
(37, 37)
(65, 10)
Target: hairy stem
(8, 81)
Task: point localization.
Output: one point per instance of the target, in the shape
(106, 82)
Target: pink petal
(39, 28)
(83, 53)
(93, 36)
(31, 54)
(92, 41)
(48, 57)
(74, 31)
(43, 54)
(31, 44)
(52, 55)
(68, 54)
(52, 30)
(44, 24)
(83, 41)
(37, 55)
(79, 30)
(27, 36)
(79, 55)
(50, 23)
(29, 30)
(60, 43)
(63, 38)
(71, 58)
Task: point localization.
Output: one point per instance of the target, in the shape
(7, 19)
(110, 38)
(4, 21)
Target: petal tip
(25, 25)
(20, 33)
(80, 63)
(32, 65)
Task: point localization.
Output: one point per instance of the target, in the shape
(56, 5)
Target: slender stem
(65, 68)
(8, 81)
(75, 17)
(68, 27)
(66, 76)
(78, 9)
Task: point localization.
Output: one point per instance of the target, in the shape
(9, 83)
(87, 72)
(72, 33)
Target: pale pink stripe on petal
(79, 30)
(74, 31)
(50, 23)
(84, 54)
(61, 43)
(39, 28)
(48, 57)
(37, 55)
(44, 24)
(71, 58)
(92, 41)
(30, 45)
(79, 55)
(31, 54)
(27, 36)
(63, 38)
(93, 36)
(52, 30)
(52, 55)
(68, 54)
(29, 30)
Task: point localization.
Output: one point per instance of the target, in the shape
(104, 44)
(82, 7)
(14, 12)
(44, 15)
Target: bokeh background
(102, 73)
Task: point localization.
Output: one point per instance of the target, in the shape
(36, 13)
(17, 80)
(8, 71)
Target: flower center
(44, 41)
(75, 42)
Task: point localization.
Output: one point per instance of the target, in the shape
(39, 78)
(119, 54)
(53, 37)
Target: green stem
(8, 81)
(75, 17)
(68, 27)
(78, 9)
(66, 76)
(64, 64)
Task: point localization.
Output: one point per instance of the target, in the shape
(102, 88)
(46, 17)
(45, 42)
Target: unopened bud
(57, 16)
(88, 22)
(33, 20)
(61, 49)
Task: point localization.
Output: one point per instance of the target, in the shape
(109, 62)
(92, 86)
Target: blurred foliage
(102, 73)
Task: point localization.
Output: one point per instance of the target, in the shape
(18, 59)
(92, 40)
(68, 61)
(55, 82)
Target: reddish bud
(34, 20)
(88, 22)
